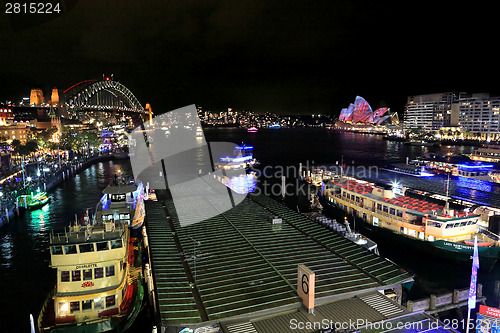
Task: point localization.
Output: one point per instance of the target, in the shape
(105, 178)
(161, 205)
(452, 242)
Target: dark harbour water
(25, 275)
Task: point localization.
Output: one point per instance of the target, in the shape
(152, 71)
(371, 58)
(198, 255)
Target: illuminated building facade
(431, 111)
(360, 112)
(36, 97)
(478, 113)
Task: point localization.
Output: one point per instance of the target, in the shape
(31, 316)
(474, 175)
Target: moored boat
(99, 267)
(420, 223)
(122, 200)
(37, 200)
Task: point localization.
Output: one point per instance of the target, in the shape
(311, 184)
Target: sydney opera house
(360, 117)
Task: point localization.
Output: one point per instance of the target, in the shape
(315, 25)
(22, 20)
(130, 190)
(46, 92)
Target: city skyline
(267, 57)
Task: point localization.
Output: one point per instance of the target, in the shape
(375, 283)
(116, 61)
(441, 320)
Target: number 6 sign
(305, 286)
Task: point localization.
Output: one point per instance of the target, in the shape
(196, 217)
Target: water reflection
(241, 184)
(6, 251)
(39, 218)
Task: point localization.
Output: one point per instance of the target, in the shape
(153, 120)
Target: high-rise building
(431, 111)
(479, 113)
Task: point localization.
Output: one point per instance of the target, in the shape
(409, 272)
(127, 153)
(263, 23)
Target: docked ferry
(122, 200)
(99, 285)
(420, 223)
(488, 153)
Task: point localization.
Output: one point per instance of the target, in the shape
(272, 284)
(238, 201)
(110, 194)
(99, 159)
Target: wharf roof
(245, 264)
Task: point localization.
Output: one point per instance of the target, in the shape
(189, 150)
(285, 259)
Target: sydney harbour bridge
(106, 98)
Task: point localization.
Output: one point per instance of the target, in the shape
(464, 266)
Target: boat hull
(488, 256)
(38, 205)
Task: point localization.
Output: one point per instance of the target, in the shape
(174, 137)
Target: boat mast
(447, 206)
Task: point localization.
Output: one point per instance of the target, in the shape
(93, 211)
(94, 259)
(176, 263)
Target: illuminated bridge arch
(105, 95)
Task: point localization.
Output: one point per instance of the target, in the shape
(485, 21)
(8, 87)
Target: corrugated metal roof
(245, 264)
(175, 298)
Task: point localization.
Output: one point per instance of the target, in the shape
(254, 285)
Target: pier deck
(239, 263)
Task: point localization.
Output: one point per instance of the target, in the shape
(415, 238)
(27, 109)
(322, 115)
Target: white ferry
(122, 201)
(99, 285)
(488, 153)
(417, 222)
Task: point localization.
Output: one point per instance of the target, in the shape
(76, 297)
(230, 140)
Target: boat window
(110, 271)
(102, 246)
(87, 274)
(57, 250)
(379, 206)
(74, 306)
(392, 211)
(87, 305)
(474, 222)
(98, 272)
(463, 223)
(64, 276)
(456, 224)
(86, 248)
(469, 222)
(110, 301)
(115, 244)
(386, 209)
(357, 199)
(117, 197)
(343, 194)
(449, 225)
(99, 303)
(399, 213)
(76, 275)
(69, 249)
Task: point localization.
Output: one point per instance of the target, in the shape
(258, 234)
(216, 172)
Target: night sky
(287, 57)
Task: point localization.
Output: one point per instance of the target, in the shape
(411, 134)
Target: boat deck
(245, 264)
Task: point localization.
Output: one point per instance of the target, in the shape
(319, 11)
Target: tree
(31, 146)
(15, 144)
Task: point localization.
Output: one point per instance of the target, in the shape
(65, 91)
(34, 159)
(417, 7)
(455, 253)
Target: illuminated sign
(488, 310)
(306, 282)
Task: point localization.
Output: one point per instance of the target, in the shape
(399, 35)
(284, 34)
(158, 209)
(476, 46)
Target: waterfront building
(15, 131)
(469, 116)
(479, 113)
(360, 117)
(431, 111)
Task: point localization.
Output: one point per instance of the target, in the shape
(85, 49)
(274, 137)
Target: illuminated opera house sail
(359, 115)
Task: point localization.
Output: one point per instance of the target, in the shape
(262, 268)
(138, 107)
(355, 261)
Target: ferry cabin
(490, 153)
(122, 203)
(92, 272)
(401, 214)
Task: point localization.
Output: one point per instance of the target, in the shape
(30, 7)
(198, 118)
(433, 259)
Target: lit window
(75, 307)
(87, 274)
(110, 301)
(64, 276)
(98, 272)
(87, 305)
(110, 271)
(76, 275)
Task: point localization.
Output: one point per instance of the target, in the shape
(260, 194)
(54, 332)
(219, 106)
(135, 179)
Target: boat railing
(96, 232)
(488, 233)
